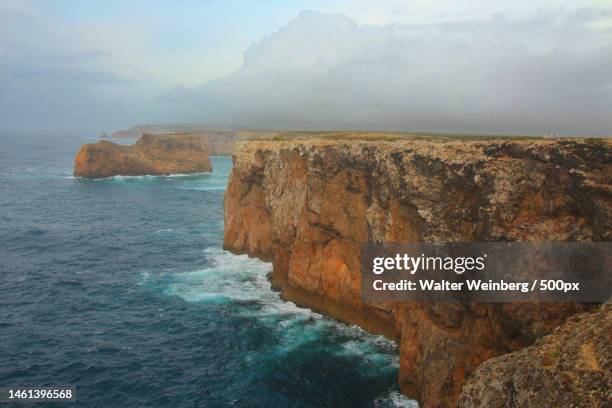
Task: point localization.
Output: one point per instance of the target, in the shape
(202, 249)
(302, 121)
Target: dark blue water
(120, 287)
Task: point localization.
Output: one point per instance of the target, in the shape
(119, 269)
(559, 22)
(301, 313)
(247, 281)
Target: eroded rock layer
(571, 367)
(150, 155)
(308, 206)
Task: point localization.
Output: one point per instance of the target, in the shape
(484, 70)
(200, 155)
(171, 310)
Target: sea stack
(150, 155)
(309, 206)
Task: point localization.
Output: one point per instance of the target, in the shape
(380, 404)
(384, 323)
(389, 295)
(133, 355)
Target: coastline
(308, 206)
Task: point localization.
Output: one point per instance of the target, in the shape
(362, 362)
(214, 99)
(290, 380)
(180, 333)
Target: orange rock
(571, 367)
(310, 205)
(152, 154)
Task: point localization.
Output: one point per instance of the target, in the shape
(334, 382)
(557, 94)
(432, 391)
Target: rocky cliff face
(572, 367)
(152, 154)
(308, 206)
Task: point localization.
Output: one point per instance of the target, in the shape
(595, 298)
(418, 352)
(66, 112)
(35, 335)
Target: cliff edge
(150, 155)
(309, 205)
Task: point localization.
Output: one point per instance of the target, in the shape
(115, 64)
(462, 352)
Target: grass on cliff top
(280, 136)
(389, 136)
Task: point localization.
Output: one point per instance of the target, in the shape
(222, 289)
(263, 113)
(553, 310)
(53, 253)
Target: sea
(120, 288)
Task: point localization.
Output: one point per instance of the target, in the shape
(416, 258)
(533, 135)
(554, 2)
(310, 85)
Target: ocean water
(121, 288)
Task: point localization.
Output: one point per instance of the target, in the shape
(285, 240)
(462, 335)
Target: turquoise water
(121, 288)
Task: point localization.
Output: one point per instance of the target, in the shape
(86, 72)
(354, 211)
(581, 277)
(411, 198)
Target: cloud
(548, 72)
(50, 78)
(28, 72)
(437, 68)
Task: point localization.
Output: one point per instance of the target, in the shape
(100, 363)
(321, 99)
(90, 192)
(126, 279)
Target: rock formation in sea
(150, 155)
(309, 205)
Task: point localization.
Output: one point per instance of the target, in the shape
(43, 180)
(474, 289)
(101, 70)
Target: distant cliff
(152, 154)
(309, 205)
(137, 131)
(221, 142)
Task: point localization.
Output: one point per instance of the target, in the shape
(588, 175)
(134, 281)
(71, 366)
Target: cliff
(309, 205)
(569, 368)
(154, 155)
(221, 142)
(137, 131)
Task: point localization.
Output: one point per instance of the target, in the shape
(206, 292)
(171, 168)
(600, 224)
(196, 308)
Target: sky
(523, 67)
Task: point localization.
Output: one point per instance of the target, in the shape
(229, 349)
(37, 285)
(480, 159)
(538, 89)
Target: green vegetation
(397, 136)
(280, 136)
(387, 136)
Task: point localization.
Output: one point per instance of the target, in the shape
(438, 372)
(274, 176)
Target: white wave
(203, 173)
(149, 176)
(238, 278)
(228, 278)
(206, 188)
(110, 178)
(394, 399)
